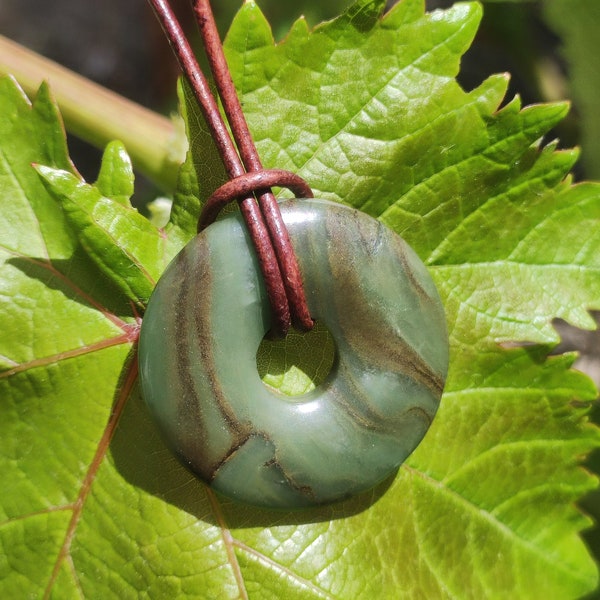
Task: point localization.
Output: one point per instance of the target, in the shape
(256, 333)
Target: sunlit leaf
(367, 110)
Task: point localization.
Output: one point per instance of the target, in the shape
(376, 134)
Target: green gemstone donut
(208, 315)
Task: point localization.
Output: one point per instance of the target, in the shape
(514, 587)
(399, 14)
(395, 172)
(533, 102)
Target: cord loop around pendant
(277, 259)
(249, 183)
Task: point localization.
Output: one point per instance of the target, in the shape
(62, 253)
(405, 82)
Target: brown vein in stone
(92, 471)
(366, 416)
(421, 414)
(305, 490)
(368, 336)
(202, 325)
(364, 327)
(198, 293)
(410, 275)
(188, 402)
(230, 454)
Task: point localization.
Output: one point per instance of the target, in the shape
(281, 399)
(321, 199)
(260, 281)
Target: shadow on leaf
(143, 459)
(78, 279)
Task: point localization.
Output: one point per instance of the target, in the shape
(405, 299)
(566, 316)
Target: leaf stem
(98, 115)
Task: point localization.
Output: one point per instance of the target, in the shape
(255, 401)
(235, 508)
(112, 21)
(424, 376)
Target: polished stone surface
(207, 317)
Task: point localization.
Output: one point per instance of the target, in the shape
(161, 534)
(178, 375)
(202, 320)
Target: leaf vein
(127, 337)
(496, 523)
(86, 486)
(228, 542)
(501, 447)
(269, 562)
(47, 264)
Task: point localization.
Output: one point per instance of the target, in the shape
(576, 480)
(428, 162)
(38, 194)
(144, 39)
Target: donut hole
(298, 363)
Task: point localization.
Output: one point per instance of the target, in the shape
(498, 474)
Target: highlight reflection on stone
(207, 317)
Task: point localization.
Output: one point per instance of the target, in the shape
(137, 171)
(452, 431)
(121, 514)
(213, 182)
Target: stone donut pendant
(208, 315)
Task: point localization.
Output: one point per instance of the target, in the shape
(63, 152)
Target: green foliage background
(369, 113)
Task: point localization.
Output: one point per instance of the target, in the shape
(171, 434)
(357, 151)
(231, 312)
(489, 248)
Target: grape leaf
(115, 179)
(367, 110)
(113, 235)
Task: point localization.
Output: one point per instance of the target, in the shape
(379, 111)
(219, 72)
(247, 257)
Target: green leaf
(201, 173)
(367, 110)
(21, 126)
(62, 322)
(124, 245)
(115, 179)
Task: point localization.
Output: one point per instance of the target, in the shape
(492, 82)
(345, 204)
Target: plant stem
(98, 115)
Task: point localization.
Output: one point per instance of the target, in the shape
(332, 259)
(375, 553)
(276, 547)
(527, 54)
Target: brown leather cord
(286, 257)
(248, 183)
(267, 230)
